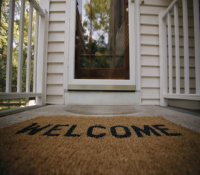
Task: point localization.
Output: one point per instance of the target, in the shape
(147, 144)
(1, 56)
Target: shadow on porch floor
(180, 117)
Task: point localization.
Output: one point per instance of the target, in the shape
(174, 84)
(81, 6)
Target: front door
(102, 40)
(100, 57)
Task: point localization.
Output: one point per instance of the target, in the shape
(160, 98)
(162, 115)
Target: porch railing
(166, 59)
(39, 75)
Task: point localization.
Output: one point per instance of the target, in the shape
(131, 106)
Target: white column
(186, 47)
(138, 57)
(42, 52)
(39, 82)
(170, 53)
(42, 59)
(35, 53)
(10, 47)
(132, 40)
(176, 23)
(163, 59)
(28, 69)
(20, 55)
(197, 44)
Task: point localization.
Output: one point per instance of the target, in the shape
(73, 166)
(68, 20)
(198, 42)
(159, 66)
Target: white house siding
(56, 46)
(149, 36)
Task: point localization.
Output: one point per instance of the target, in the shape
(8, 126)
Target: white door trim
(134, 44)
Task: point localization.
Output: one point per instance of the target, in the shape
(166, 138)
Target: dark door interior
(102, 40)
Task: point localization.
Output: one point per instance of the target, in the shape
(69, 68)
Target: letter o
(114, 133)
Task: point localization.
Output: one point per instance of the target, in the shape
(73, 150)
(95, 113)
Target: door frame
(133, 84)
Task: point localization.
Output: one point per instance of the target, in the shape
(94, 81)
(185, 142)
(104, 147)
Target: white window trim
(93, 84)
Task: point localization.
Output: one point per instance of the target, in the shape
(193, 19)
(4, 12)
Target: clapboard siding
(55, 79)
(56, 16)
(149, 30)
(147, 71)
(57, 7)
(191, 72)
(54, 88)
(149, 38)
(56, 47)
(56, 36)
(192, 83)
(54, 99)
(150, 82)
(159, 3)
(191, 62)
(150, 93)
(55, 57)
(55, 68)
(152, 10)
(153, 20)
(162, 3)
(154, 39)
(154, 30)
(150, 60)
(182, 90)
(56, 26)
(149, 50)
(149, 47)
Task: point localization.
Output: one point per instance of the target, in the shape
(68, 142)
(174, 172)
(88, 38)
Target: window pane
(84, 62)
(102, 62)
(119, 62)
(102, 39)
(119, 27)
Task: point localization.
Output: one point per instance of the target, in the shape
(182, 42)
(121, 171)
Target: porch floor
(188, 120)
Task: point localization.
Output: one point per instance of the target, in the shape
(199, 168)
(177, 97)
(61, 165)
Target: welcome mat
(98, 145)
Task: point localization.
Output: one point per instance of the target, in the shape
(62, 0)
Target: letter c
(90, 129)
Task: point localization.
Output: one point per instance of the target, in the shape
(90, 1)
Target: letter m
(32, 128)
(146, 131)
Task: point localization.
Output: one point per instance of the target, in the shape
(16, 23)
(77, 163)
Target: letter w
(146, 131)
(33, 129)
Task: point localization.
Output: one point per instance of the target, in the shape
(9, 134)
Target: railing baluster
(40, 52)
(20, 55)
(186, 47)
(197, 44)
(164, 96)
(28, 71)
(35, 52)
(10, 47)
(170, 53)
(176, 23)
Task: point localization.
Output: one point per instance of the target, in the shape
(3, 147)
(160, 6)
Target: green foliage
(100, 14)
(100, 62)
(97, 13)
(4, 42)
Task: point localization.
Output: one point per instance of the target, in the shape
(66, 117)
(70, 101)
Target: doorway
(102, 40)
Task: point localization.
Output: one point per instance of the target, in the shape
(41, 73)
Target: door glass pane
(84, 62)
(102, 39)
(102, 62)
(119, 62)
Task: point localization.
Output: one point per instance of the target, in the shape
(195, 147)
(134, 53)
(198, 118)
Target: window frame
(99, 84)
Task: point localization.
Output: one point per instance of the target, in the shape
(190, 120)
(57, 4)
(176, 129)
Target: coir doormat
(98, 145)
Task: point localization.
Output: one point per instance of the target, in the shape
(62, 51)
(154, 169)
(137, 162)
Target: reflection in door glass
(102, 39)
(101, 62)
